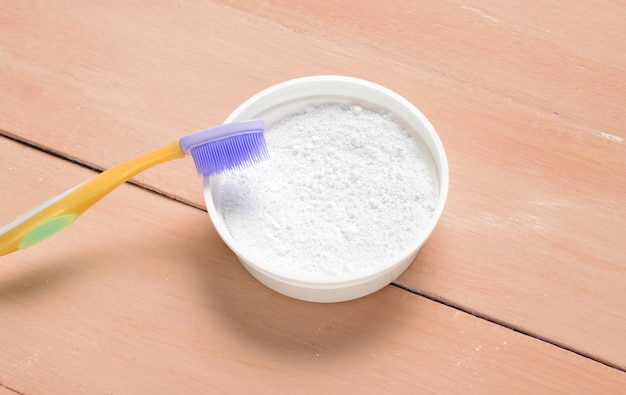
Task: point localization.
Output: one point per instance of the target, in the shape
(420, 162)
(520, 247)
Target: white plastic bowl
(278, 101)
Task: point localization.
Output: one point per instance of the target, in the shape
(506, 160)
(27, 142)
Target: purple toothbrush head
(232, 146)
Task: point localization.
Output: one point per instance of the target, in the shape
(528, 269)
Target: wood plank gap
(506, 325)
(4, 388)
(89, 166)
(49, 151)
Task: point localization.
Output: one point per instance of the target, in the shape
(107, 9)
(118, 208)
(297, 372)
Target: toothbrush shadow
(39, 279)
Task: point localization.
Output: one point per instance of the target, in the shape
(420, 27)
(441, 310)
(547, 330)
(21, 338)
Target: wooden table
(521, 289)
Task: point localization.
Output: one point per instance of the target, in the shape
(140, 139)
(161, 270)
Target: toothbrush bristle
(230, 153)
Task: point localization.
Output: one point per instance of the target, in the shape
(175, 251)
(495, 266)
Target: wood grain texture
(528, 98)
(140, 296)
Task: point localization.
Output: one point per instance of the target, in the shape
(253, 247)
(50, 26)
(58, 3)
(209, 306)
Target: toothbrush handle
(62, 210)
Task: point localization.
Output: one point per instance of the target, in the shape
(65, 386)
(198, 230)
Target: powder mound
(345, 190)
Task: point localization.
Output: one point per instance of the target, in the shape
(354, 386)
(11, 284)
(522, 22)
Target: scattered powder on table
(345, 190)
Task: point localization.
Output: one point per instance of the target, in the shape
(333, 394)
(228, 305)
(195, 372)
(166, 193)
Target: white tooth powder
(346, 189)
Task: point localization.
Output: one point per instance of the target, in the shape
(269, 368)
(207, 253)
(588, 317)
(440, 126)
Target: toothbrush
(231, 146)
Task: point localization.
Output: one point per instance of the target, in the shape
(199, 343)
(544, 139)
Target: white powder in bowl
(346, 189)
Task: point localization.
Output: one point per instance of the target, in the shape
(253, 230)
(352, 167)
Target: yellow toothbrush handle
(59, 212)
